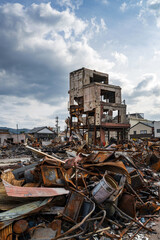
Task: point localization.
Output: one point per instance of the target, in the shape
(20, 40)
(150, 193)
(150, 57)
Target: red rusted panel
(72, 209)
(15, 191)
(128, 204)
(117, 167)
(156, 166)
(102, 134)
(49, 175)
(101, 157)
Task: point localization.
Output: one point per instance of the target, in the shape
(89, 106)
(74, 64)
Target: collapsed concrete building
(96, 108)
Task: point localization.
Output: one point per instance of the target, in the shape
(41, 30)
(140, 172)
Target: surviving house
(141, 130)
(134, 118)
(42, 133)
(93, 105)
(157, 129)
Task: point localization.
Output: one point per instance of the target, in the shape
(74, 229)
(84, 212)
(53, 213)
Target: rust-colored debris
(82, 192)
(15, 191)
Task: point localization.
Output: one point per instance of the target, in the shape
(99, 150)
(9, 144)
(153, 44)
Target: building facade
(8, 137)
(42, 133)
(157, 129)
(134, 118)
(141, 130)
(96, 107)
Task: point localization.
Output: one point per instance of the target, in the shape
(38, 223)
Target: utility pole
(57, 125)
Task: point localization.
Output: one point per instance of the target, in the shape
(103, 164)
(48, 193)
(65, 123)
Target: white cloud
(39, 46)
(142, 96)
(97, 27)
(123, 7)
(153, 4)
(72, 4)
(131, 4)
(154, 8)
(156, 55)
(103, 25)
(140, 3)
(120, 57)
(150, 8)
(105, 2)
(35, 114)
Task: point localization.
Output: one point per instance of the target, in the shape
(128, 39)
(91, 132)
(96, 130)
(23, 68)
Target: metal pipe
(135, 193)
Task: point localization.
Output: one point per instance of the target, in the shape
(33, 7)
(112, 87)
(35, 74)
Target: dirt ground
(157, 229)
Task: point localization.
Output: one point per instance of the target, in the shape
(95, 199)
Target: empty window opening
(111, 116)
(78, 101)
(99, 79)
(107, 115)
(107, 96)
(9, 140)
(116, 116)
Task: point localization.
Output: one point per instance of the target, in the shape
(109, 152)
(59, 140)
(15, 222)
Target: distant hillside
(12, 130)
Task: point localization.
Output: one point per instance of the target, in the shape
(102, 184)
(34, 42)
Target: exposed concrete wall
(94, 102)
(4, 137)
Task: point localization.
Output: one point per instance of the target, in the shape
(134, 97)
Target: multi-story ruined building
(96, 108)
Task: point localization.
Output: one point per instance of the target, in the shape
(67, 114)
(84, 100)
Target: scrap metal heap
(96, 107)
(98, 193)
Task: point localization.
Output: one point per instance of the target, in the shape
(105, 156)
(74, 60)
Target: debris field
(72, 190)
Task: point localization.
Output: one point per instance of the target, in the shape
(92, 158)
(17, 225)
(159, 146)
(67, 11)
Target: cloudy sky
(41, 42)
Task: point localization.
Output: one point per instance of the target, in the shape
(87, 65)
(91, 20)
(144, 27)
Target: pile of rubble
(96, 193)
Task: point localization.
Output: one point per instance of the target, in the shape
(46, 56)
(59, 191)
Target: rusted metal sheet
(155, 161)
(8, 217)
(136, 180)
(127, 204)
(101, 157)
(6, 233)
(156, 166)
(33, 192)
(117, 167)
(49, 175)
(72, 209)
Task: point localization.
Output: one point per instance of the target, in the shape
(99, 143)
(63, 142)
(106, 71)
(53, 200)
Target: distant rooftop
(135, 115)
(144, 123)
(37, 129)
